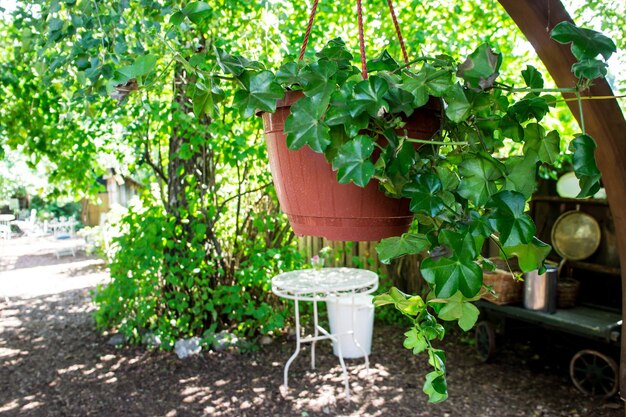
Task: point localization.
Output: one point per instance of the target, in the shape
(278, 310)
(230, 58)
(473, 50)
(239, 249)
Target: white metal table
(319, 285)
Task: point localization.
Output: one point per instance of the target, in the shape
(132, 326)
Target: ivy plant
(461, 193)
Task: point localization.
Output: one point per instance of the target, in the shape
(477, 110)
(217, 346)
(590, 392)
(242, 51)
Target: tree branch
(232, 197)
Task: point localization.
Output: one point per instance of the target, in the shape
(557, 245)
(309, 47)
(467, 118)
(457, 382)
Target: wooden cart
(592, 371)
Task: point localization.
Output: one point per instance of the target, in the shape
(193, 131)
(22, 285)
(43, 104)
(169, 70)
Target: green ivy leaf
(423, 194)
(400, 101)
(481, 67)
(449, 180)
(459, 308)
(584, 159)
(459, 107)
(338, 137)
(585, 167)
(416, 87)
(413, 306)
(338, 113)
(415, 341)
(530, 255)
(369, 96)
(398, 160)
(204, 99)
(589, 185)
(317, 78)
(532, 77)
(287, 74)
(590, 69)
(335, 51)
(508, 218)
(529, 107)
(520, 174)
(431, 328)
(479, 173)
(436, 387)
(407, 244)
(545, 147)
(437, 80)
(260, 92)
(479, 228)
(384, 62)
(457, 272)
(586, 43)
(511, 128)
(230, 64)
(304, 126)
(392, 296)
(353, 161)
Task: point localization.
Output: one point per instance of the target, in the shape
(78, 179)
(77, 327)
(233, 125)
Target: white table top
(309, 284)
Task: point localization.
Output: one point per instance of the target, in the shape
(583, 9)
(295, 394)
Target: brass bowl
(575, 235)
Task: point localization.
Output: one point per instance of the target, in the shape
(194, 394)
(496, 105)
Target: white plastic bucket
(351, 318)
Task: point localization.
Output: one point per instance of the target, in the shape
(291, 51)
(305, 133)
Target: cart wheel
(485, 341)
(594, 373)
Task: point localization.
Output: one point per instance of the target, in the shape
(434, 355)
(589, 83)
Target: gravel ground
(54, 363)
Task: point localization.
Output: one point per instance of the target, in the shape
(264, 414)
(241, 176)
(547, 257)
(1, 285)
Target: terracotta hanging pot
(316, 204)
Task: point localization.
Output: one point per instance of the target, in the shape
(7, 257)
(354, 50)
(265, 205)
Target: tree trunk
(199, 165)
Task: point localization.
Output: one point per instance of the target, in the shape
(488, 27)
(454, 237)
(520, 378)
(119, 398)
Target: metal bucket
(540, 290)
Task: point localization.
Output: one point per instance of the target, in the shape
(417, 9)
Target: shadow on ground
(54, 363)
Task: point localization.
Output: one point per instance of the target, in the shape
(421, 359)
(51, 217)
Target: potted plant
(308, 191)
(460, 192)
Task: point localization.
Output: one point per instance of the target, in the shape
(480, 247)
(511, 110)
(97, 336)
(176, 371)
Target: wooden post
(603, 119)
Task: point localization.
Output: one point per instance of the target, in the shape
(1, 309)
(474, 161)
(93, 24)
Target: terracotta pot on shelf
(316, 204)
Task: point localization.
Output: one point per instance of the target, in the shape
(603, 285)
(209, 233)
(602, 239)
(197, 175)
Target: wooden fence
(402, 273)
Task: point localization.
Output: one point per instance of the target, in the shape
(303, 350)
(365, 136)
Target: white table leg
(346, 383)
(295, 354)
(315, 331)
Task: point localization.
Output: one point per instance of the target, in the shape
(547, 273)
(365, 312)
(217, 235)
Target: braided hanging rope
(308, 30)
(397, 26)
(359, 11)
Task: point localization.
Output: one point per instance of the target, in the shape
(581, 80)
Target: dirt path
(53, 363)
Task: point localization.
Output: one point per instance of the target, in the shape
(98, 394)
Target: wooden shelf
(555, 199)
(611, 270)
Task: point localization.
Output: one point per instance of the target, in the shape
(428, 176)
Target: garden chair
(5, 225)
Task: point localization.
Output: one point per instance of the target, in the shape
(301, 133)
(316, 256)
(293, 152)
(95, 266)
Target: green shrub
(166, 280)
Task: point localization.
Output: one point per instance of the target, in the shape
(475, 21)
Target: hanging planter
(316, 204)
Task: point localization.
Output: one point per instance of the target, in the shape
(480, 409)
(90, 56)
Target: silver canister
(540, 289)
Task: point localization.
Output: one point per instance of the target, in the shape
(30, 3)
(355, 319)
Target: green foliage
(353, 161)
(407, 244)
(585, 165)
(55, 209)
(481, 67)
(161, 281)
(587, 44)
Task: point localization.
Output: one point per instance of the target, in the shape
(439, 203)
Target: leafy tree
(197, 254)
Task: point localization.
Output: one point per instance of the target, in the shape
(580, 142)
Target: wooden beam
(604, 120)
